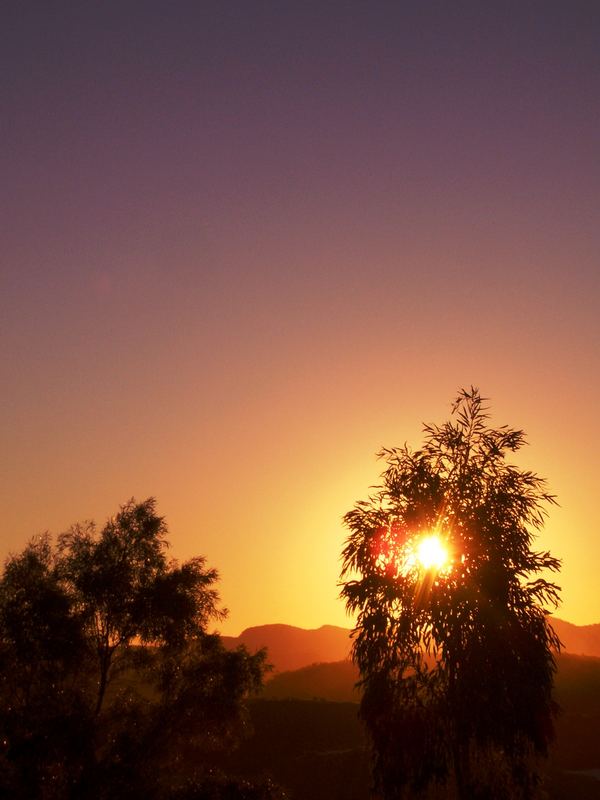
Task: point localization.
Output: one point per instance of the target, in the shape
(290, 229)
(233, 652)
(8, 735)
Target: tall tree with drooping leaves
(456, 657)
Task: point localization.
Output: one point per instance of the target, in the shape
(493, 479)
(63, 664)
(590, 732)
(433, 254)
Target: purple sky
(245, 244)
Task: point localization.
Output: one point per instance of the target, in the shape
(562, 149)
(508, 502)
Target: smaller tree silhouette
(125, 590)
(110, 683)
(456, 657)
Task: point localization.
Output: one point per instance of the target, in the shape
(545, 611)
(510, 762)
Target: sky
(246, 244)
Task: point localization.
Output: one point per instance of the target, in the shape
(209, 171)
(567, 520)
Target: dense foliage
(456, 662)
(111, 685)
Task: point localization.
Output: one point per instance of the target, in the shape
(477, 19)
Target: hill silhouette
(291, 648)
(335, 681)
(583, 640)
(317, 749)
(307, 734)
(577, 683)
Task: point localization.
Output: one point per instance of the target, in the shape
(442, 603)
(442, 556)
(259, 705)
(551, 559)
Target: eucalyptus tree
(452, 638)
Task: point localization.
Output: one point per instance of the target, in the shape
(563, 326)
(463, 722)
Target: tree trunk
(103, 682)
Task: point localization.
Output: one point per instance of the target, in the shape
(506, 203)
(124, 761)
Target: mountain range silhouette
(291, 648)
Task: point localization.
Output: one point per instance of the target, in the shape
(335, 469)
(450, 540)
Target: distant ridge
(334, 681)
(291, 648)
(583, 640)
(577, 684)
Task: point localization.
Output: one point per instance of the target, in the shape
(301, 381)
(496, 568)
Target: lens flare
(431, 553)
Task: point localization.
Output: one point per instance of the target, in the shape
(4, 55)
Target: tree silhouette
(124, 588)
(44, 686)
(456, 658)
(110, 683)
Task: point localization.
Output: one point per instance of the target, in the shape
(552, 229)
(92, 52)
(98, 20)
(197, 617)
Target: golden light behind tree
(465, 652)
(431, 553)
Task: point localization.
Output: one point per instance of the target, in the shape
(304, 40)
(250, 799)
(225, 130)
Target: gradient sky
(246, 244)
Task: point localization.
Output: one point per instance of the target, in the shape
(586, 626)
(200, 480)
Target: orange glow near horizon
(235, 318)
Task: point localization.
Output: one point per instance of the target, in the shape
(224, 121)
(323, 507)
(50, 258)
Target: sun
(431, 553)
